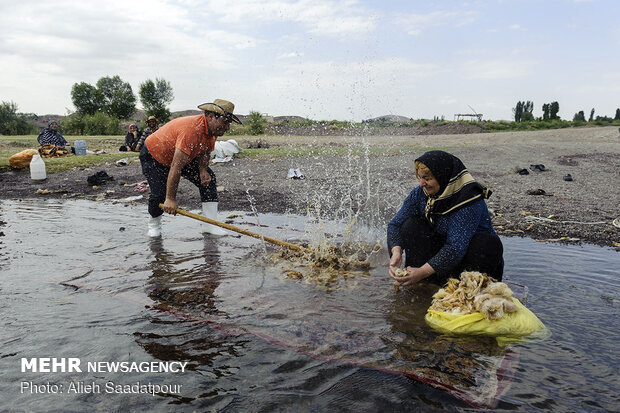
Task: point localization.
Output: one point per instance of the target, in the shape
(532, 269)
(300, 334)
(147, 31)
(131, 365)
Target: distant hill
(181, 113)
(42, 120)
(388, 119)
(139, 116)
(291, 119)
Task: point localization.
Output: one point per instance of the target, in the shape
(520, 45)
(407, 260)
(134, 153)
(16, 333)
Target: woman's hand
(409, 279)
(396, 260)
(416, 274)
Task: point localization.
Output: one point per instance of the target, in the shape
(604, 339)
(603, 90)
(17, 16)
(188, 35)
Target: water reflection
(176, 286)
(467, 367)
(255, 340)
(182, 288)
(3, 259)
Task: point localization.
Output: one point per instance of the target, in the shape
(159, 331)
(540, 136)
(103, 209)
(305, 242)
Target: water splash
(341, 250)
(255, 213)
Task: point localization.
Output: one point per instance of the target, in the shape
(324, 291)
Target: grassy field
(279, 147)
(10, 145)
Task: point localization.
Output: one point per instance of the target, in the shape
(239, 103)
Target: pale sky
(322, 59)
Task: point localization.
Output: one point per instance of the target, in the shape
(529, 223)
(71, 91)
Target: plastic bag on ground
(295, 174)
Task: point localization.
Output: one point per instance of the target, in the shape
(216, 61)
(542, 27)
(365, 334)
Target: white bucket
(37, 168)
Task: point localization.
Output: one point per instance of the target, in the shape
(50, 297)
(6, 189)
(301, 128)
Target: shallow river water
(80, 280)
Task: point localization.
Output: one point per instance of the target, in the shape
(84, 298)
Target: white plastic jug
(37, 168)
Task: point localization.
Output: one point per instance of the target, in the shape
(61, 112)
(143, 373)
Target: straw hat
(222, 107)
(153, 118)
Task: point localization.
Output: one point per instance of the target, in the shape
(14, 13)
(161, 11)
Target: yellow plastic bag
(511, 327)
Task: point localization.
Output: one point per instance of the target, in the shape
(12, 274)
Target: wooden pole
(240, 230)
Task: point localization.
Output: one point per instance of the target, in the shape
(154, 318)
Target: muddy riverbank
(371, 175)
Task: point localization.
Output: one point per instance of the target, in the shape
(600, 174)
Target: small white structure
(462, 116)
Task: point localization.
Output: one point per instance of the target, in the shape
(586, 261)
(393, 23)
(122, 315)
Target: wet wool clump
(328, 267)
(474, 292)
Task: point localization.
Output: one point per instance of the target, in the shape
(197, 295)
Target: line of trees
(15, 123)
(101, 107)
(580, 117)
(115, 98)
(523, 112)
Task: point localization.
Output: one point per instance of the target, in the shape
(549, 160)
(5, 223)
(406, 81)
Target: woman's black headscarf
(457, 188)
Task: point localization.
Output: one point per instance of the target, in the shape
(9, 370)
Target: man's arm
(179, 160)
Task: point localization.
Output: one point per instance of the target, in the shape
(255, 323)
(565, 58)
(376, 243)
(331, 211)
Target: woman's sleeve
(406, 210)
(462, 225)
(129, 139)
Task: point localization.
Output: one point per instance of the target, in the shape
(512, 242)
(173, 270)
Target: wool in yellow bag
(511, 327)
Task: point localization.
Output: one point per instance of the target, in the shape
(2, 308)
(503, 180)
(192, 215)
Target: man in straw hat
(182, 147)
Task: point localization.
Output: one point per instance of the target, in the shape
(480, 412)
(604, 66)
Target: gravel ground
(370, 176)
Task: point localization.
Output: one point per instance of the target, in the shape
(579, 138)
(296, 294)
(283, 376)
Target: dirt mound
(332, 130)
(451, 129)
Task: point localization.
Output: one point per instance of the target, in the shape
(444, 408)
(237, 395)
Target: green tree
(602, 120)
(579, 117)
(12, 122)
(117, 97)
(617, 117)
(546, 110)
(554, 108)
(528, 109)
(155, 96)
(97, 124)
(591, 115)
(523, 111)
(256, 123)
(86, 98)
(518, 111)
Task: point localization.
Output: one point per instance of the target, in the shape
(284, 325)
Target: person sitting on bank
(182, 147)
(152, 124)
(51, 136)
(132, 139)
(444, 226)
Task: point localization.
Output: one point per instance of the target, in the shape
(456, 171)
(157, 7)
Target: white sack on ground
(224, 151)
